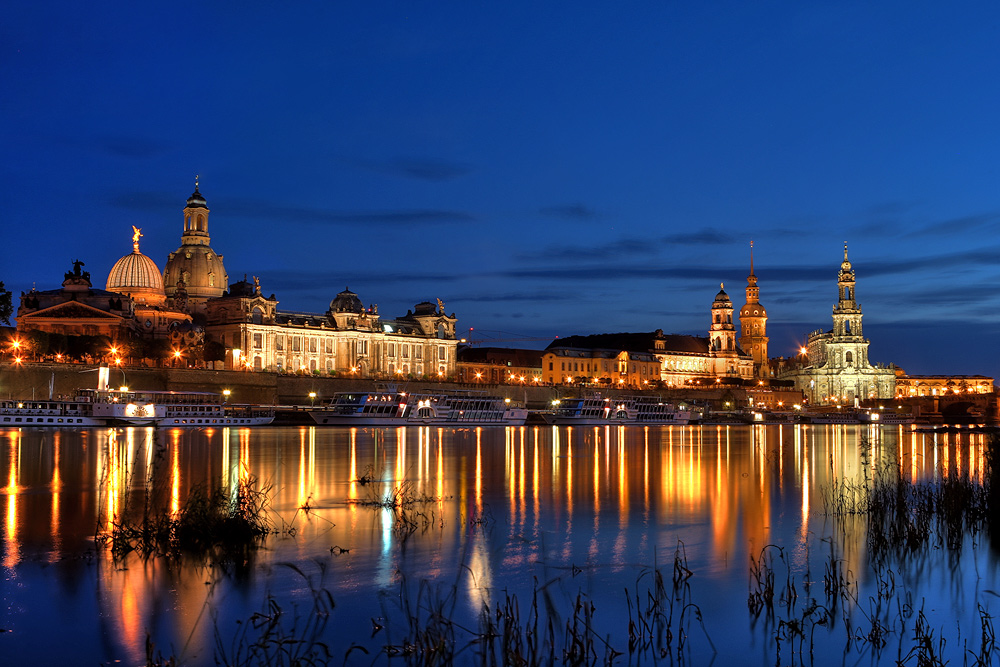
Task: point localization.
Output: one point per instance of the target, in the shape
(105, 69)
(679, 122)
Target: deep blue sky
(544, 168)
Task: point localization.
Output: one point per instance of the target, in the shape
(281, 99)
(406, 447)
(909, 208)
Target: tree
(38, 341)
(214, 351)
(6, 304)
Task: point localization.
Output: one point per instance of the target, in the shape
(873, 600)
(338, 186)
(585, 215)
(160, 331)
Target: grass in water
(225, 524)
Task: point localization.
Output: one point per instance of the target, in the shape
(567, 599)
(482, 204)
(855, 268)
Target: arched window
(847, 327)
(849, 358)
(257, 316)
(718, 319)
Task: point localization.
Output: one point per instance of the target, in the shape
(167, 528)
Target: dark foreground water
(503, 518)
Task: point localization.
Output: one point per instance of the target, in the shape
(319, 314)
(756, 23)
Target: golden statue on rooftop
(136, 233)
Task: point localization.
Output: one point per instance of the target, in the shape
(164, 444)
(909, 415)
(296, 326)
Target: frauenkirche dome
(195, 263)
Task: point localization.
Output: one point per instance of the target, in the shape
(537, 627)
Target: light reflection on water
(586, 509)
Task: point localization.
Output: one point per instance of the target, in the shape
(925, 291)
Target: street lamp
(312, 399)
(225, 395)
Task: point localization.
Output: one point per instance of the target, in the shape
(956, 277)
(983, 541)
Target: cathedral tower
(753, 324)
(722, 333)
(847, 312)
(195, 264)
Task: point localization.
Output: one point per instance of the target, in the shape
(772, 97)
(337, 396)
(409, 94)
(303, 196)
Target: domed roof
(346, 302)
(196, 200)
(722, 299)
(137, 275)
(845, 266)
(200, 268)
(753, 310)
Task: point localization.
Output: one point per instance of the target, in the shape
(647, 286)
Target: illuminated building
(138, 277)
(728, 360)
(499, 365)
(671, 359)
(348, 339)
(77, 309)
(585, 360)
(941, 385)
(836, 369)
(194, 272)
(753, 325)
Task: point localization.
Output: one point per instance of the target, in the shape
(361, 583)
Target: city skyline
(544, 171)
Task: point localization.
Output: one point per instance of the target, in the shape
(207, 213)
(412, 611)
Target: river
(487, 518)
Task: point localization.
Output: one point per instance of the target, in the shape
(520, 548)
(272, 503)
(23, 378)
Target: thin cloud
(515, 297)
(889, 209)
(608, 251)
(569, 212)
(423, 169)
(294, 280)
(273, 212)
(705, 237)
(133, 147)
(960, 225)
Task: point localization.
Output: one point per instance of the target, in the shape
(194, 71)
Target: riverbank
(39, 380)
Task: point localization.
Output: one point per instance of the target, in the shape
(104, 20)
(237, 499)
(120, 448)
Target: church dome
(196, 200)
(138, 276)
(722, 299)
(199, 268)
(753, 310)
(195, 263)
(346, 302)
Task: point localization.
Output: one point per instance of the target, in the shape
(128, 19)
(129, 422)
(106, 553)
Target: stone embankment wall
(33, 380)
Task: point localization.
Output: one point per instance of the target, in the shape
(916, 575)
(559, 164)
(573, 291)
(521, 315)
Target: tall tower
(753, 324)
(195, 264)
(847, 312)
(722, 333)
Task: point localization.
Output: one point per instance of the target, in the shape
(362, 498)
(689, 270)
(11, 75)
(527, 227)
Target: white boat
(398, 408)
(596, 410)
(858, 416)
(125, 407)
(112, 407)
(189, 408)
(78, 412)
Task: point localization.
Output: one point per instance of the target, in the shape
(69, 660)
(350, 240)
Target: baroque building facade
(640, 359)
(189, 304)
(348, 339)
(836, 368)
(77, 309)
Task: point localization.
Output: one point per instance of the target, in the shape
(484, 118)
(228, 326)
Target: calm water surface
(589, 511)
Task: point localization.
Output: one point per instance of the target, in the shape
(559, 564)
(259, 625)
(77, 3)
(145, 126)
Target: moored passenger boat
(124, 407)
(114, 407)
(398, 408)
(596, 410)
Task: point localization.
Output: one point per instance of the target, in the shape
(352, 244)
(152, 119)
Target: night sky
(546, 169)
